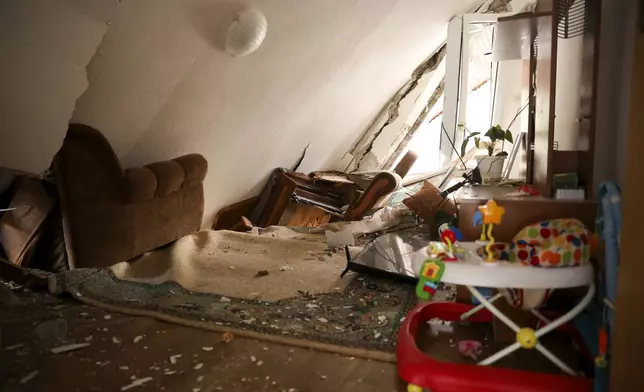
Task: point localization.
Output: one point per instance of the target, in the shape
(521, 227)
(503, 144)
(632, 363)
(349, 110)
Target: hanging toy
(477, 220)
(430, 274)
(492, 214)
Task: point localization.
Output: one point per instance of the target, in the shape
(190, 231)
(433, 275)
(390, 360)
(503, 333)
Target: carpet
(363, 320)
(269, 264)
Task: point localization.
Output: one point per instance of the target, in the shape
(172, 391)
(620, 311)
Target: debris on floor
(69, 347)
(136, 383)
(470, 348)
(173, 358)
(261, 273)
(226, 337)
(437, 326)
(28, 377)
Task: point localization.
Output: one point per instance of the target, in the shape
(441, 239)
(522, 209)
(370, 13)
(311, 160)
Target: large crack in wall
(392, 107)
(363, 159)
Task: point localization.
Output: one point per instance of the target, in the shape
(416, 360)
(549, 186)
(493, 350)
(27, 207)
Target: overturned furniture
(111, 215)
(295, 199)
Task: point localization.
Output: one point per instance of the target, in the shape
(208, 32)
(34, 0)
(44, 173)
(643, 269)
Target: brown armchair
(111, 215)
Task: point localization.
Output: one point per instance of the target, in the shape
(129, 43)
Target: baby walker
(457, 263)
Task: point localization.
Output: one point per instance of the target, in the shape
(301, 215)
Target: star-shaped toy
(492, 213)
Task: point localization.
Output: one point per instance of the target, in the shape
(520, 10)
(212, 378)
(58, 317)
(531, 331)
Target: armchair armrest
(165, 177)
(195, 167)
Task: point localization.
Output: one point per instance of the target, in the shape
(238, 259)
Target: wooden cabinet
(549, 28)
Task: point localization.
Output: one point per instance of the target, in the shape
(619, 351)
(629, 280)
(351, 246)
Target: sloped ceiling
(160, 84)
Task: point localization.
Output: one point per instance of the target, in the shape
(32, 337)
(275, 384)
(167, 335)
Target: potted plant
(490, 165)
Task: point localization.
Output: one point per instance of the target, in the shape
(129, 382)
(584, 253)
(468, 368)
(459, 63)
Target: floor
(124, 351)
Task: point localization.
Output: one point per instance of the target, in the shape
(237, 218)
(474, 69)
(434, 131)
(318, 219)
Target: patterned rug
(363, 320)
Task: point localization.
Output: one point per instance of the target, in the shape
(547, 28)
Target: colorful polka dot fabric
(552, 243)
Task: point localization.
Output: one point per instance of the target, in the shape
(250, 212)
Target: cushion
(425, 202)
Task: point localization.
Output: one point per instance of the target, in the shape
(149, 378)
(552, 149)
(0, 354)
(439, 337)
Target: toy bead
(527, 338)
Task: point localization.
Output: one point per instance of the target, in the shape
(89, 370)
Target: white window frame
(457, 62)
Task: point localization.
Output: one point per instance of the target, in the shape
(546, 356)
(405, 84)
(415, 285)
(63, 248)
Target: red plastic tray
(419, 369)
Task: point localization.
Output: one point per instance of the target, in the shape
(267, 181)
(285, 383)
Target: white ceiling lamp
(246, 33)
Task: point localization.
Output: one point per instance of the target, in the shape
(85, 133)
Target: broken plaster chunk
(107, 317)
(69, 347)
(136, 383)
(253, 359)
(261, 273)
(198, 366)
(260, 363)
(28, 377)
(226, 337)
(323, 320)
(15, 346)
(224, 299)
(116, 340)
(137, 338)
(207, 348)
(382, 319)
(173, 358)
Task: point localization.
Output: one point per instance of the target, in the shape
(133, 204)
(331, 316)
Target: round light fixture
(246, 33)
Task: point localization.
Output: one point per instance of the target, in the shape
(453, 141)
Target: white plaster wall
(161, 86)
(44, 48)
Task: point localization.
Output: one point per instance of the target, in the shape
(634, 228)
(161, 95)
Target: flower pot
(491, 168)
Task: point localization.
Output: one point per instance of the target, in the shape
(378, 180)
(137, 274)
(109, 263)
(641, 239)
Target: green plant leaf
(508, 136)
(477, 141)
(502, 154)
(465, 141)
(490, 149)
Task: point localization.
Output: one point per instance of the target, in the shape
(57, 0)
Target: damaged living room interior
(338, 195)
